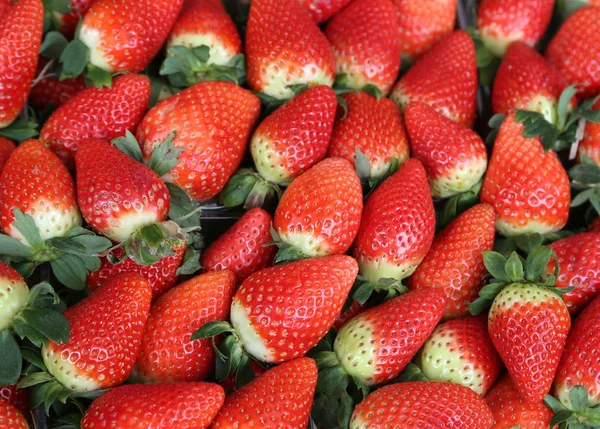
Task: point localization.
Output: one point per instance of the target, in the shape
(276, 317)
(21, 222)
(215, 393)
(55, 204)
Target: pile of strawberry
(391, 267)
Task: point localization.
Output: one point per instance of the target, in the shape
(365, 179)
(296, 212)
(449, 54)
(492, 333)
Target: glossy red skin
(5, 6)
(292, 306)
(423, 405)
(11, 417)
(579, 262)
(164, 406)
(326, 203)
(510, 409)
(283, 33)
(19, 398)
(363, 38)
(161, 276)
(398, 221)
(523, 75)
(212, 121)
(52, 90)
(590, 144)
(242, 248)
(445, 78)
(355, 309)
(422, 23)
(373, 126)
(455, 261)
(6, 148)
(68, 21)
(92, 112)
(321, 10)
(279, 398)
(523, 182)
(575, 48)
(167, 354)
(125, 183)
(112, 319)
(20, 39)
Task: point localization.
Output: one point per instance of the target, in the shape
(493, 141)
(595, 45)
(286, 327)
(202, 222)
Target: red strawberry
(124, 35)
(170, 405)
(579, 262)
(575, 48)
(242, 249)
(280, 398)
(212, 121)
(511, 410)
(5, 6)
(117, 195)
(100, 113)
(67, 22)
(422, 24)
(355, 309)
(445, 78)
(454, 156)
(6, 148)
(501, 22)
(528, 187)
(20, 39)
(106, 334)
(319, 213)
(590, 144)
(167, 353)
(375, 346)
(284, 47)
(17, 397)
(594, 225)
(37, 183)
(365, 44)
(321, 10)
(455, 261)
(460, 351)
(53, 91)
(397, 227)
(11, 417)
(375, 128)
(426, 404)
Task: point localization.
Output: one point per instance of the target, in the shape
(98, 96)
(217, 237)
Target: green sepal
(74, 59)
(333, 381)
(53, 45)
(494, 123)
(344, 412)
(20, 130)
(487, 62)
(244, 373)
(129, 145)
(164, 156)
(248, 188)
(11, 359)
(98, 77)
(326, 359)
(270, 104)
(579, 415)
(12, 247)
(191, 262)
(49, 323)
(212, 329)
(586, 177)
(362, 165)
(411, 373)
(373, 90)
(363, 289)
(184, 209)
(457, 204)
(153, 242)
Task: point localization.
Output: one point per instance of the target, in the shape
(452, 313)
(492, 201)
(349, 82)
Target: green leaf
(362, 165)
(496, 120)
(514, 267)
(182, 203)
(93, 244)
(129, 146)
(98, 77)
(211, 329)
(237, 189)
(244, 374)
(41, 290)
(495, 264)
(326, 359)
(587, 174)
(32, 356)
(479, 306)
(373, 90)
(74, 59)
(345, 410)
(333, 381)
(526, 242)
(553, 403)
(579, 398)
(411, 373)
(10, 246)
(164, 156)
(20, 130)
(490, 291)
(34, 379)
(363, 292)
(10, 356)
(70, 271)
(536, 262)
(560, 417)
(535, 125)
(26, 226)
(53, 45)
(563, 105)
(595, 201)
(49, 322)
(60, 6)
(191, 262)
(583, 197)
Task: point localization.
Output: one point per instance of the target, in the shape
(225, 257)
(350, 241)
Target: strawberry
(445, 78)
(460, 351)
(20, 39)
(528, 187)
(574, 49)
(17, 397)
(242, 248)
(455, 261)
(590, 144)
(279, 398)
(453, 155)
(5, 6)
(365, 46)
(182, 405)
(6, 148)
(349, 314)
(501, 22)
(11, 417)
(374, 127)
(92, 112)
(594, 225)
(167, 353)
(51, 90)
(397, 227)
(422, 24)
(224, 112)
(67, 22)
(511, 410)
(284, 47)
(427, 404)
(321, 10)
(319, 213)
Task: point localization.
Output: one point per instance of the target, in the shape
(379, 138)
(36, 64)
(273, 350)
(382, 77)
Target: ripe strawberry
(92, 112)
(460, 351)
(455, 261)
(422, 24)
(242, 248)
(37, 183)
(574, 50)
(319, 213)
(67, 22)
(594, 225)
(280, 398)
(374, 127)
(53, 91)
(6, 148)
(124, 35)
(11, 417)
(181, 405)
(17, 397)
(501, 22)
(5, 6)
(284, 47)
(454, 156)
(397, 227)
(375, 346)
(321, 10)
(365, 44)
(511, 410)
(590, 144)
(445, 78)
(528, 187)
(425, 404)
(20, 39)
(224, 112)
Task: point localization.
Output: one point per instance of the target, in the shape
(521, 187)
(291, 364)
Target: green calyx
(270, 104)
(527, 242)
(249, 189)
(286, 252)
(457, 204)
(363, 289)
(585, 177)
(20, 130)
(342, 85)
(579, 415)
(487, 61)
(362, 164)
